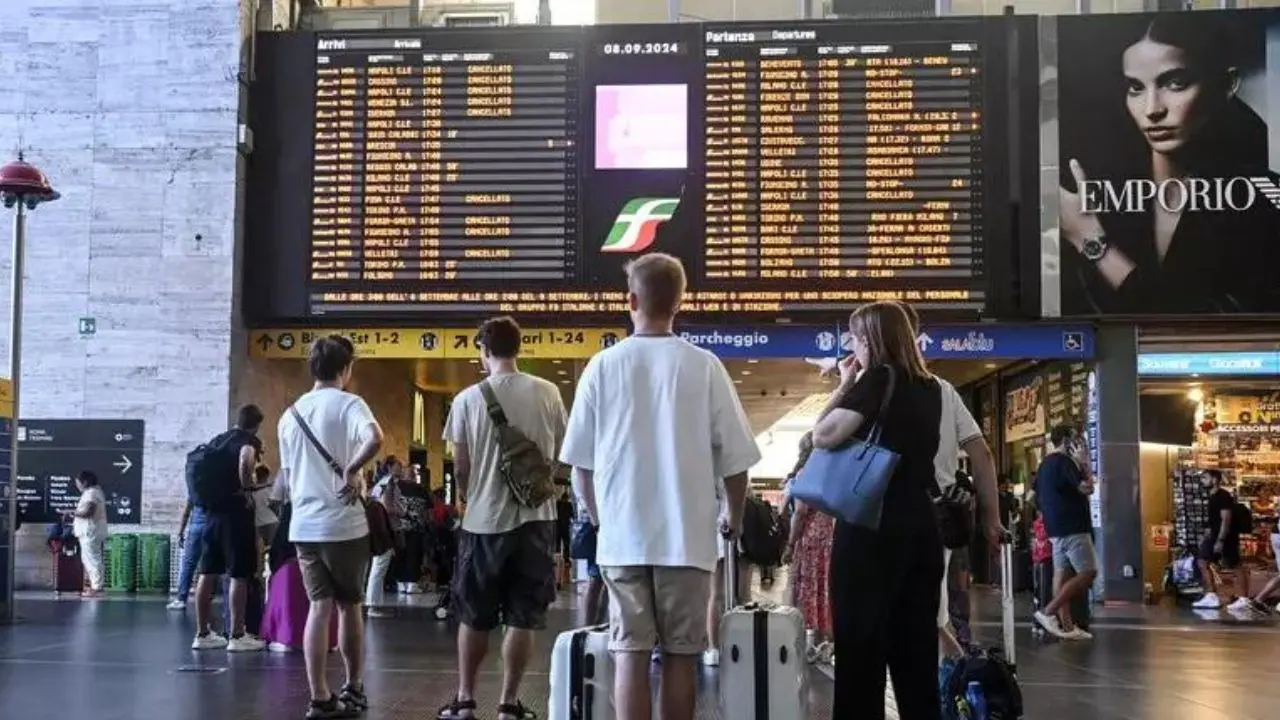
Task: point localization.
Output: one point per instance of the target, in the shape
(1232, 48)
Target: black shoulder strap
(492, 405)
(873, 437)
(315, 442)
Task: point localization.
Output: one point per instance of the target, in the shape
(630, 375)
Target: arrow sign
(265, 342)
(460, 342)
(924, 341)
(123, 463)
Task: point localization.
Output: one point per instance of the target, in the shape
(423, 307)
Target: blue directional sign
(1210, 363)
(960, 342)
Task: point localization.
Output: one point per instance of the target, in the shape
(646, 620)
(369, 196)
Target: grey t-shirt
(533, 406)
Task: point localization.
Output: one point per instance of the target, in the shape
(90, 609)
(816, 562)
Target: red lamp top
(20, 181)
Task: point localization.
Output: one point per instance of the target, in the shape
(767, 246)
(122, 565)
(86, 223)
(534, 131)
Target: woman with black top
(886, 584)
(1168, 113)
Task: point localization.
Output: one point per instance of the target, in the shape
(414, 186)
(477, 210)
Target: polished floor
(127, 660)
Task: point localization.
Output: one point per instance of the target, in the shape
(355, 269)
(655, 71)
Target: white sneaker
(176, 604)
(377, 612)
(442, 613)
(1210, 601)
(1077, 633)
(246, 643)
(1239, 604)
(1051, 625)
(711, 657)
(212, 641)
(279, 647)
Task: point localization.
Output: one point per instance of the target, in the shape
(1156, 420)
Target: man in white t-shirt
(655, 422)
(326, 439)
(506, 570)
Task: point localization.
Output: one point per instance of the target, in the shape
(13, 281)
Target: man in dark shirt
(1062, 489)
(1220, 545)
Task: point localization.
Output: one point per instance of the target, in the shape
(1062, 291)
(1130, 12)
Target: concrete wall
(131, 108)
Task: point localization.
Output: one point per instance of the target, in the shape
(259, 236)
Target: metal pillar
(15, 378)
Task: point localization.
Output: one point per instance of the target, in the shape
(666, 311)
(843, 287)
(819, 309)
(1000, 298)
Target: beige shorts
(335, 570)
(651, 606)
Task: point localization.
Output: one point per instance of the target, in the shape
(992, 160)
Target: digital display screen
(642, 127)
(835, 159)
(796, 169)
(436, 165)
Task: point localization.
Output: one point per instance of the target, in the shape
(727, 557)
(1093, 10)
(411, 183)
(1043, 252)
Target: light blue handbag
(850, 482)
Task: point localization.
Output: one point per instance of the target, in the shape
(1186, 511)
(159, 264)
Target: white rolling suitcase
(582, 675)
(763, 671)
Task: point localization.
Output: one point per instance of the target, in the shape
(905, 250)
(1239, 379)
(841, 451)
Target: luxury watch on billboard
(1094, 247)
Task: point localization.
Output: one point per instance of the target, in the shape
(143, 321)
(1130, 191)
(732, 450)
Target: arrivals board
(796, 169)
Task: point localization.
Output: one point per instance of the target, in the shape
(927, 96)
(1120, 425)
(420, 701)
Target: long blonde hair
(886, 329)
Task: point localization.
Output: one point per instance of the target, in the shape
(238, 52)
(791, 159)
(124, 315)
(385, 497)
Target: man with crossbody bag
(326, 439)
(505, 431)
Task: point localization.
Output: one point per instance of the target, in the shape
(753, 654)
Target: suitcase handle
(1008, 638)
(730, 571)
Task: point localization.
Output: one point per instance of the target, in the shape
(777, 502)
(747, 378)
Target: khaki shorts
(650, 605)
(335, 570)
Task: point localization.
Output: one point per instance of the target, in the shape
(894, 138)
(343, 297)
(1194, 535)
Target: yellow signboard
(432, 343)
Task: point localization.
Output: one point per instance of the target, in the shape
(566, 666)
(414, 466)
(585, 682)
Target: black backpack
(1241, 519)
(764, 538)
(213, 470)
(999, 684)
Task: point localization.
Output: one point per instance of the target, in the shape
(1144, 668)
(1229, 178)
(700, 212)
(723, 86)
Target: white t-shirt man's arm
(578, 449)
(966, 427)
(733, 447)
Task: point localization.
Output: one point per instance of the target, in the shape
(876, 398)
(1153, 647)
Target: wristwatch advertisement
(1094, 247)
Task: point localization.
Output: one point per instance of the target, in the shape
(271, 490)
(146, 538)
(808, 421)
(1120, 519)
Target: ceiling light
(562, 372)
(1195, 395)
(753, 361)
(564, 382)
(746, 372)
(737, 382)
(990, 366)
(556, 362)
(474, 362)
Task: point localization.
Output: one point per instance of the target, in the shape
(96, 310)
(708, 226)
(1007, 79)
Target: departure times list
(455, 167)
(845, 164)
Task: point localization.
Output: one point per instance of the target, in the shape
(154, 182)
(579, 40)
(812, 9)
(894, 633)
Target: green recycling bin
(122, 563)
(153, 563)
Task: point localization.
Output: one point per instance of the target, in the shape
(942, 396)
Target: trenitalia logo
(1175, 196)
(637, 225)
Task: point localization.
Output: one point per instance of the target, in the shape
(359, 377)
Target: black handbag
(953, 509)
(850, 482)
(582, 541)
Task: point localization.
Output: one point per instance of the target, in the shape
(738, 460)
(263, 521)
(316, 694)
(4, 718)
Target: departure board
(453, 166)
(850, 161)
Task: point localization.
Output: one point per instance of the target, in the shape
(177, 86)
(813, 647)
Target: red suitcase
(68, 572)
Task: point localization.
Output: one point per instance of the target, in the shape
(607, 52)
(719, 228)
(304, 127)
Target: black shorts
(229, 545)
(507, 578)
(1229, 558)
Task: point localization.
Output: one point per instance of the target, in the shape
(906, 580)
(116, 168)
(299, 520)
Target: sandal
(354, 697)
(458, 710)
(515, 711)
(331, 709)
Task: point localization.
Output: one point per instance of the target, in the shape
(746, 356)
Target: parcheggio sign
(715, 339)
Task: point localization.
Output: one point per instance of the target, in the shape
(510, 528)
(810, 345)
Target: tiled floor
(118, 660)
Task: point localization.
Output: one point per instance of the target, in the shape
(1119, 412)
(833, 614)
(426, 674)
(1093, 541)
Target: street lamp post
(23, 187)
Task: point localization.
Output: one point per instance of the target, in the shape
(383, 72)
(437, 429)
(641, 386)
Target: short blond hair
(658, 281)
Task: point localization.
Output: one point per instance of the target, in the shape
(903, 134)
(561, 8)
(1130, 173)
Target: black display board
(52, 453)
(797, 168)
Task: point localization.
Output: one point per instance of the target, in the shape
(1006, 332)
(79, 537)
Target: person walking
(1062, 490)
(506, 571)
(655, 423)
(386, 491)
(326, 438)
(886, 583)
(190, 532)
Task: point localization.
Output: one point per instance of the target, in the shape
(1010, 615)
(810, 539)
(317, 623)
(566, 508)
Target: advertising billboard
(1168, 145)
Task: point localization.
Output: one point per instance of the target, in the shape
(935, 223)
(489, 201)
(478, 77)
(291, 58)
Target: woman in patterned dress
(809, 556)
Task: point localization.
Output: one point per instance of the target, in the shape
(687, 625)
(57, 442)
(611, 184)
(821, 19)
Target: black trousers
(409, 558)
(885, 591)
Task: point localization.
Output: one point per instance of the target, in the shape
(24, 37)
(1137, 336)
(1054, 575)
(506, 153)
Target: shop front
(1206, 411)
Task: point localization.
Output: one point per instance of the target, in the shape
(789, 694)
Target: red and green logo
(637, 225)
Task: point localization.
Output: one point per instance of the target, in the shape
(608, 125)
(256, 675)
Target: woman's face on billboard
(1165, 94)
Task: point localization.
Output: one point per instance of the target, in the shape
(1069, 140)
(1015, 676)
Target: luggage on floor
(763, 671)
(68, 572)
(582, 675)
(993, 669)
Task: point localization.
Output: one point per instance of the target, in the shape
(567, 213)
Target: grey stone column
(1116, 505)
